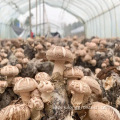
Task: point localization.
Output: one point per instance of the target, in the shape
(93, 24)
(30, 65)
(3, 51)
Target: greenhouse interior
(59, 60)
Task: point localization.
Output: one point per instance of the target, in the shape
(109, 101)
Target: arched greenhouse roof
(100, 17)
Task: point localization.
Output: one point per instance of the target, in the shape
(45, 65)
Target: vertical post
(36, 18)
(43, 18)
(40, 15)
(30, 15)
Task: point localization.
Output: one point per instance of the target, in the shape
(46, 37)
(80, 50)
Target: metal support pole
(30, 15)
(36, 17)
(40, 16)
(43, 18)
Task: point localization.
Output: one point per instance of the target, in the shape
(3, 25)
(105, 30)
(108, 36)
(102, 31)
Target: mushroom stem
(36, 114)
(25, 97)
(3, 86)
(77, 99)
(59, 67)
(46, 97)
(9, 81)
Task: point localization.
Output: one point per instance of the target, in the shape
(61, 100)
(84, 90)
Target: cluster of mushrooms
(84, 83)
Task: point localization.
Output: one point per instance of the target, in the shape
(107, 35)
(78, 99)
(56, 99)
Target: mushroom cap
(82, 52)
(75, 37)
(96, 40)
(81, 46)
(79, 87)
(45, 86)
(15, 80)
(42, 76)
(25, 61)
(9, 70)
(15, 112)
(93, 62)
(97, 70)
(39, 47)
(25, 85)
(103, 112)
(74, 72)
(103, 41)
(87, 57)
(59, 53)
(94, 85)
(19, 55)
(103, 65)
(4, 61)
(36, 103)
(20, 50)
(92, 46)
(19, 66)
(30, 40)
(116, 64)
(75, 43)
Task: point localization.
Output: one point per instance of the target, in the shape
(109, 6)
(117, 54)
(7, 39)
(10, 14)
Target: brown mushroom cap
(25, 61)
(19, 55)
(96, 40)
(93, 62)
(39, 47)
(15, 80)
(94, 85)
(74, 72)
(19, 66)
(87, 57)
(80, 92)
(4, 62)
(45, 86)
(30, 40)
(20, 50)
(81, 52)
(79, 86)
(59, 53)
(36, 103)
(92, 46)
(42, 76)
(103, 41)
(103, 112)
(25, 85)
(9, 70)
(75, 37)
(15, 112)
